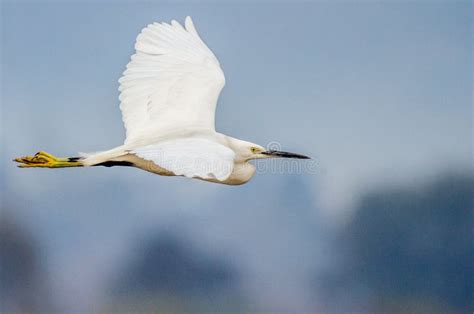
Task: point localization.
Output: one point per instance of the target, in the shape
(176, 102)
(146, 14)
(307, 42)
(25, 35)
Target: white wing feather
(172, 82)
(192, 157)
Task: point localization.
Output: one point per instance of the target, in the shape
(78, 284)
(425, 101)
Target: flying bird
(168, 97)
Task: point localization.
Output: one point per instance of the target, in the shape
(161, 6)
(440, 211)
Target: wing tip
(188, 23)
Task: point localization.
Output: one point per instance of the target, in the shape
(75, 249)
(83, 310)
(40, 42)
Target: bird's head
(246, 151)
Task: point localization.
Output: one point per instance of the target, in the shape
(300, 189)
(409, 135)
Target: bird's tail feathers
(92, 159)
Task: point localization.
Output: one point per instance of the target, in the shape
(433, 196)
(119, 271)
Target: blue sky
(375, 91)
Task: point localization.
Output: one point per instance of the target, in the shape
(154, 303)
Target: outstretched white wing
(172, 82)
(191, 157)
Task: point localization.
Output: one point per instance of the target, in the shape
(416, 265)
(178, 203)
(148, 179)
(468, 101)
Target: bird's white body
(168, 97)
(233, 170)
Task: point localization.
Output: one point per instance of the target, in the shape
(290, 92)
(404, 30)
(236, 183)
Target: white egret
(168, 96)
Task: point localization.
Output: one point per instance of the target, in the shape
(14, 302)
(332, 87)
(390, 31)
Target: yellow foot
(45, 160)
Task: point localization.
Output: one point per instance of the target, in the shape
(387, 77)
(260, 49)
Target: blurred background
(379, 93)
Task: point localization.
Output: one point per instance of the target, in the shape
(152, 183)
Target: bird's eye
(254, 149)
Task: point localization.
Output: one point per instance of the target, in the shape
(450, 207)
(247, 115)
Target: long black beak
(277, 153)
